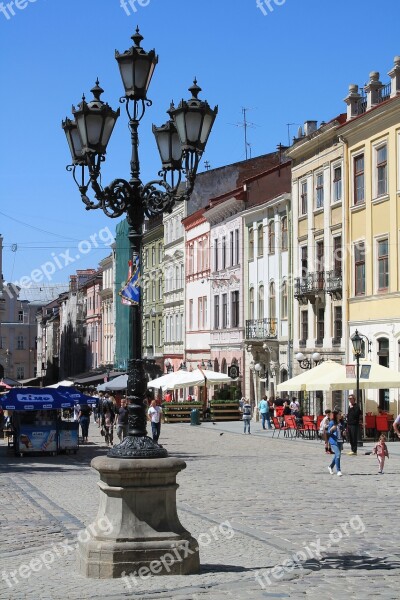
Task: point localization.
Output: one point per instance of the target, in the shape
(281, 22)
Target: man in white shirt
(154, 415)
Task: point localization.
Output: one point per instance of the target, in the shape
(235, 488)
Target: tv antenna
(245, 125)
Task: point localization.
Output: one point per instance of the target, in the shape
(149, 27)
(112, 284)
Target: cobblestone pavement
(298, 532)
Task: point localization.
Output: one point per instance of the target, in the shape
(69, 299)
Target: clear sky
(287, 62)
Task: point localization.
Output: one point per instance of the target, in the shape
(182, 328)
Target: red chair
(309, 426)
(370, 425)
(382, 425)
(319, 420)
(279, 427)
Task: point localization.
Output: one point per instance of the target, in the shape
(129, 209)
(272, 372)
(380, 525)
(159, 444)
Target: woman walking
(335, 439)
(84, 419)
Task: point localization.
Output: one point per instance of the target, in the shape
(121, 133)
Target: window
(160, 289)
(153, 291)
(153, 333)
(153, 256)
(200, 314)
(319, 191)
(20, 372)
(304, 261)
(216, 266)
(177, 332)
(237, 246)
(216, 312)
(284, 234)
(272, 301)
(190, 314)
(319, 256)
(231, 249)
(181, 326)
(21, 316)
(284, 304)
(160, 336)
(337, 184)
(260, 240)
(359, 179)
(235, 309)
(261, 302)
(147, 340)
(224, 252)
(383, 265)
(381, 170)
(359, 266)
(320, 325)
(191, 259)
(205, 311)
(20, 342)
(271, 237)
(337, 324)
(304, 326)
(182, 276)
(251, 244)
(224, 311)
(303, 198)
(146, 258)
(251, 304)
(160, 253)
(337, 255)
(199, 256)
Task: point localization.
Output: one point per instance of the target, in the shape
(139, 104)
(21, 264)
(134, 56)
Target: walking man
(154, 416)
(263, 407)
(353, 423)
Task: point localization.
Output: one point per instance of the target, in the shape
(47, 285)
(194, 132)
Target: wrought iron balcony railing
(308, 287)
(261, 329)
(334, 283)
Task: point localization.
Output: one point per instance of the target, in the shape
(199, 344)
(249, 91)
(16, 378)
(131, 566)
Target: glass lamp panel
(76, 143)
(126, 69)
(107, 131)
(142, 69)
(81, 123)
(150, 75)
(163, 145)
(94, 124)
(176, 147)
(206, 128)
(193, 126)
(180, 124)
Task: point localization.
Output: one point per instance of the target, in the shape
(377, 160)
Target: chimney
(373, 89)
(310, 127)
(352, 101)
(394, 74)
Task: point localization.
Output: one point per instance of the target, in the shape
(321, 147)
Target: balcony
(334, 284)
(306, 289)
(262, 329)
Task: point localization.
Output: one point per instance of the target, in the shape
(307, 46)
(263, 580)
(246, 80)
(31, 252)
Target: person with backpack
(246, 415)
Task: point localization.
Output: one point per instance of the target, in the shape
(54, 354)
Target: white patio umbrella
(320, 378)
(119, 383)
(64, 383)
(176, 380)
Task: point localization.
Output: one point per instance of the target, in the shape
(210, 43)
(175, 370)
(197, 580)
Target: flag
(130, 293)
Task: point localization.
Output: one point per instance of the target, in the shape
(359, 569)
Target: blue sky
(292, 64)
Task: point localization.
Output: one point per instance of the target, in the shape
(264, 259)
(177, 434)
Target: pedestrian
(381, 451)
(107, 424)
(263, 407)
(246, 415)
(295, 407)
(122, 425)
(154, 416)
(396, 426)
(286, 409)
(335, 439)
(84, 420)
(353, 424)
(323, 431)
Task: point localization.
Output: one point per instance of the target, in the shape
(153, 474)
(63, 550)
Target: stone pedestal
(137, 530)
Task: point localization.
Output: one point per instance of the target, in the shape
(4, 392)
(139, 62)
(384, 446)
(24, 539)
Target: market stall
(37, 420)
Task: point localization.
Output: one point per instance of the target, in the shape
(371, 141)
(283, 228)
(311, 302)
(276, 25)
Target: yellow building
(371, 140)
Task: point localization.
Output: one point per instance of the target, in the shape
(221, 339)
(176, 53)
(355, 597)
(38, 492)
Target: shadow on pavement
(211, 568)
(350, 562)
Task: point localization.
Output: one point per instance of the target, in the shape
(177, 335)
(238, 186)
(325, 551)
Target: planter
(227, 410)
(179, 412)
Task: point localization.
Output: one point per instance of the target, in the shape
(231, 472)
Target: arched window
(272, 301)
(224, 368)
(261, 302)
(216, 365)
(284, 303)
(251, 243)
(251, 303)
(260, 240)
(271, 237)
(284, 233)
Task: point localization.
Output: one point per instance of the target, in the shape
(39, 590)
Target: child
(323, 430)
(381, 450)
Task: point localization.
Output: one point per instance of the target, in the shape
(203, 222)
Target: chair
(319, 420)
(279, 427)
(309, 426)
(382, 425)
(370, 425)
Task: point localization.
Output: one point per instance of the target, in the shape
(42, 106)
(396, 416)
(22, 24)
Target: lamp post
(138, 496)
(308, 363)
(181, 143)
(358, 350)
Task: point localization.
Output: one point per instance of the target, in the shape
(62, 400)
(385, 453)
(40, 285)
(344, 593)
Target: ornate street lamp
(138, 496)
(308, 363)
(181, 143)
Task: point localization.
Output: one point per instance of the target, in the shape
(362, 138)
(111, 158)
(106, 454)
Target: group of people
(268, 408)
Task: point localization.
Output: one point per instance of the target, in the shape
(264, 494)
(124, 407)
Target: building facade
(107, 310)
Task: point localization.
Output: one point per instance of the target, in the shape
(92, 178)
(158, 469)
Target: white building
(107, 266)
